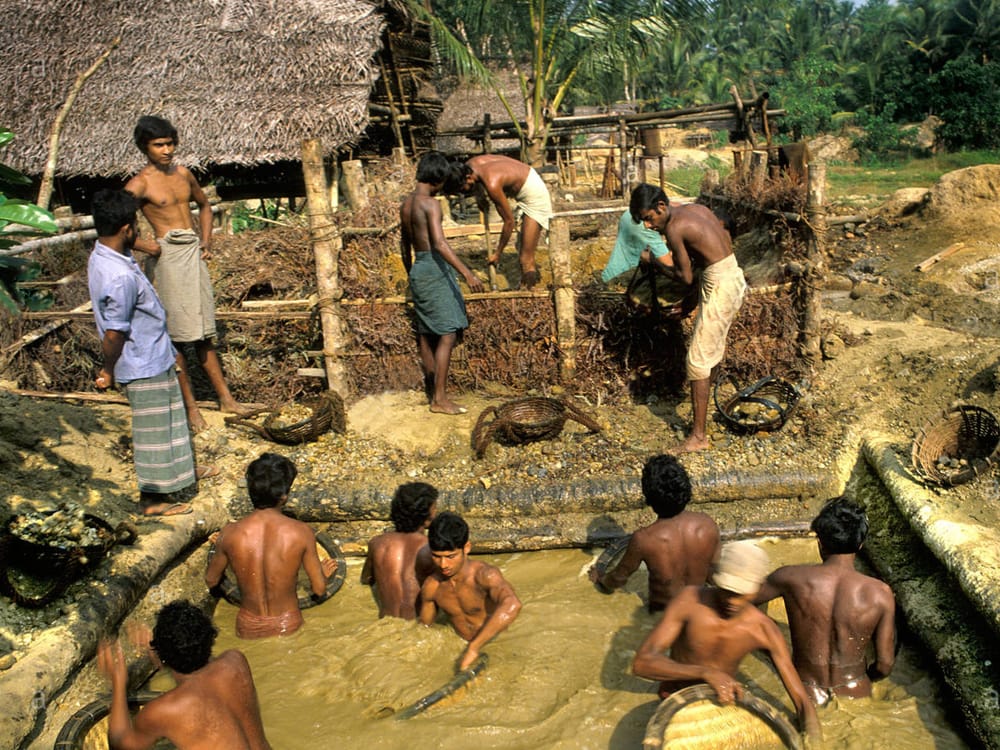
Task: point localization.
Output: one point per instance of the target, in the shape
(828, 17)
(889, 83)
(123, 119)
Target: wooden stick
(938, 257)
(8, 354)
(106, 398)
(45, 189)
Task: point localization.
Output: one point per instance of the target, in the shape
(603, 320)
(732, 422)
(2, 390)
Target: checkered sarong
(161, 441)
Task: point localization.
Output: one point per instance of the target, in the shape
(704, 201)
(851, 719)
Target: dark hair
(841, 527)
(411, 505)
(666, 485)
(269, 478)
(151, 127)
(112, 210)
(645, 197)
(455, 183)
(433, 168)
(447, 531)
(183, 636)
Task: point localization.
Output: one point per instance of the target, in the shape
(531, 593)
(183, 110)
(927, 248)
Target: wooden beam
(938, 257)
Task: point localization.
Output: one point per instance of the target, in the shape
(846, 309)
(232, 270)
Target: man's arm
(506, 608)
(368, 571)
(217, 564)
(428, 607)
(204, 214)
(682, 258)
(651, 660)
(884, 638)
(498, 199)
(772, 588)
(121, 734)
(435, 233)
(782, 658)
(137, 187)
(619, 575)
(313, 567)
(111, 350)
(405, 242)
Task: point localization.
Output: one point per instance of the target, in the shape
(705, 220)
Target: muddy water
(557, 679)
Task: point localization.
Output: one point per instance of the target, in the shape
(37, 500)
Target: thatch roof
(244, 81)
(467, 104)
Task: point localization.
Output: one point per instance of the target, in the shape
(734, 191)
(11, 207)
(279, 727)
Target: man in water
(266, 550)
(495, 178)
(678, 548)
(214, 704)
(709, 629)
(137, 353)
(697, 239)
(835, 612)
(165, 190)
(476, 596)
(431, 264)
(399, 561)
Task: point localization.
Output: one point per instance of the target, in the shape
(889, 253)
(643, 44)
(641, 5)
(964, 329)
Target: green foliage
(13, 270)
(966, 95)
(882, 137)
(808, 94)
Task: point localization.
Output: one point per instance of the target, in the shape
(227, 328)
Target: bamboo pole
(812, 278)
(354, 189)
(45, 189)
(326, 248)
(565, 297)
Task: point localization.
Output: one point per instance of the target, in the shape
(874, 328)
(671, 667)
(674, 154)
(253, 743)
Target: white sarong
(722, 291)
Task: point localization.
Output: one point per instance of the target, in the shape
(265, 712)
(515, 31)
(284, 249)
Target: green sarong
(437, 299)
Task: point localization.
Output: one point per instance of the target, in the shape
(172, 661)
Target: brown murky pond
(559, 678)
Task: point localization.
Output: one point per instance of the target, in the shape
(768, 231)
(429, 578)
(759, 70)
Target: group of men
(707, 593)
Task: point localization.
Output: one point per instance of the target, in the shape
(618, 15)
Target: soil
(899, 347)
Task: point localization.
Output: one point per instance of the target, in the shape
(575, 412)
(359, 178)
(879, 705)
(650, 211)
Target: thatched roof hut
(244, 81)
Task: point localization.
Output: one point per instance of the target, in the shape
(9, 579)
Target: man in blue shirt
(137, 352)
(634, 243)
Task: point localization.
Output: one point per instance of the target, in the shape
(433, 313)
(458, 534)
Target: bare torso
(266, 550)
(463, 597)
(397, 569)
(834, 613)
(214, 708)
(165, 197)
(696, 238)
(678, 552)
(499, 174)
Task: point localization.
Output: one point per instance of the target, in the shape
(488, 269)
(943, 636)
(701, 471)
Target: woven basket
(526, 420)
(692, 719)
(327, 413)
(652, 293)
(760, 407)
(957, 446)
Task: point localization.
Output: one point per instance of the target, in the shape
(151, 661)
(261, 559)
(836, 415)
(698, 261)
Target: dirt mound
(966, 197)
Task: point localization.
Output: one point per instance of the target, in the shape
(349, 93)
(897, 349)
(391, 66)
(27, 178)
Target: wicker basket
(525, 421)
(327, 413)
(957, 446)
(763, 406)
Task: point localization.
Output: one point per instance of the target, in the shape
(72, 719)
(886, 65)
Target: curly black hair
(666, 485)
(841, 526)
(411, 505)
(183, 637)
(447, 531)
(269, 479)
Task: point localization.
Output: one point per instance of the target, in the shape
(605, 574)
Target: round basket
(326, 413)
(760, 407)
(87, 729)
(692, 719)
(652, 293)
(526, 420)
(956, 446)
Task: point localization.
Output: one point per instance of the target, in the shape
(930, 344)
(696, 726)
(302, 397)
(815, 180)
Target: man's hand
(328, 566)
(474, 282)
(104, 380)
(470, 655)
(111, 662)
(726, 688)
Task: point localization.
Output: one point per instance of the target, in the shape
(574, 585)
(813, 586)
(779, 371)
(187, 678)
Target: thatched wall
(244, 81)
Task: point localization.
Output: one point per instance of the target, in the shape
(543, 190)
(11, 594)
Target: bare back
(678, 552)
(214, 708)
(836, 615)
(165, 197)
(395, 568)
(265, 551)
(499, 174)
(696, 238)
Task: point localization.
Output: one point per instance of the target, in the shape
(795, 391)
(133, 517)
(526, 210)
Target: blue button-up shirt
(124, 300)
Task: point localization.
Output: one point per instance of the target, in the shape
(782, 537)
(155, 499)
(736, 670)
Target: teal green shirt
(632, 240)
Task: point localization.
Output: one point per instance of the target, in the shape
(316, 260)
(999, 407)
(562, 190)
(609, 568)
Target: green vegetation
(881, 179)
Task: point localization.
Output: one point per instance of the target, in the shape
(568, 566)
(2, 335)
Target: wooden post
(623, 145)
(353, 184)
(327, 244)
(565, 297)
(812, 278)
(758, 169)
(487, 134)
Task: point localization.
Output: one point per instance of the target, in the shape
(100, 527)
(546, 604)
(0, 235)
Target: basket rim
(927, 467)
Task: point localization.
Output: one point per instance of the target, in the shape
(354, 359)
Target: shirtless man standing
(165, 190)
(678, 548)
(697, 238)
(399, 561)
(708, 631)
(214, 705)
(834, 612)
(476, 596)
(495, 178)
(266, 550)
(431, 264)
